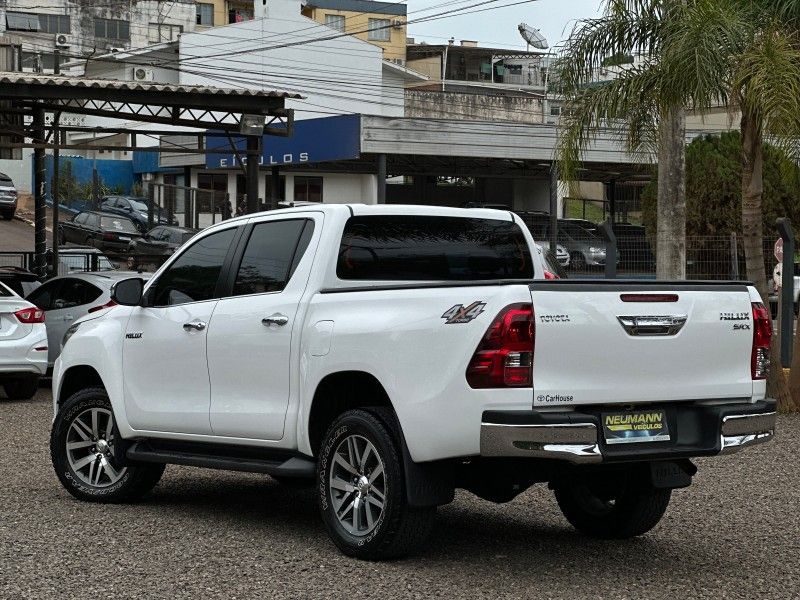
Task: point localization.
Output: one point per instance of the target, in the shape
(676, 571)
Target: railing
(190, 207)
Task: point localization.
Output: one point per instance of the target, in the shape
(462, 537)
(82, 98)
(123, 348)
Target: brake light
(504, 357)
(762, 335)
(108, 304)
(30, 315)
(110, 236)
(548, 275)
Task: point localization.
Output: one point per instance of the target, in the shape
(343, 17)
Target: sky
(498, 28)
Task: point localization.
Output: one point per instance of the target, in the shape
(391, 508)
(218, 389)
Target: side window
(74, 292)
(80, 219)
(92, 220)
(156, 234)
(193, 276)
(42, 296)
(268, 257)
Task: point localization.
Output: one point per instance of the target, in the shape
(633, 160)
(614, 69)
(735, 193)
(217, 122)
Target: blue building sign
(312, 141)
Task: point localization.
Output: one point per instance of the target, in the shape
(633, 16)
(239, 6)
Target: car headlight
(594, 250)
(68, 334)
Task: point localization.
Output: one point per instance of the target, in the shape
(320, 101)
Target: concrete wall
(340, 76)
(340, 188)
(20, 171)
(450, 105)
(430, 66)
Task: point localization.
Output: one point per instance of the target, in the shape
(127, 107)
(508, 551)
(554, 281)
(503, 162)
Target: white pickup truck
(393, 354)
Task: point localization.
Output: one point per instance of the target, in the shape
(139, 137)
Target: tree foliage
(714, 192)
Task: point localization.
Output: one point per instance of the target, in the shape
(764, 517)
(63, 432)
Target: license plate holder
(635, 426)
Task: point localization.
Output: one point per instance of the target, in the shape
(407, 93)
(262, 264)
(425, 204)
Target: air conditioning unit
(397, 24)
(142, 74)
(62, 41)
(115, 49)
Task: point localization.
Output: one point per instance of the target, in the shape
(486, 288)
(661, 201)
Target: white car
(391, 354)
(562, 256)
(67, 298)
(23, 345)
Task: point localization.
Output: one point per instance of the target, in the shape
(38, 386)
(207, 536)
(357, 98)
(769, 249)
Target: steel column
(553, 206)
(381, 179)
(40, 220)
(253, 158)
(54, 189)
(275, 185)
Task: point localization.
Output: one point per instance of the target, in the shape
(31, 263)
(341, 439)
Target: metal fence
(189, 207)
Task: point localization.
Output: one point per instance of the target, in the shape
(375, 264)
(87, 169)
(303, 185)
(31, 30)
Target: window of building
(308, 189)
(112, 29)
(379, 30)
(54, 23)
(205, 14)
(335, 22)
(163, 32)
(17, 21)
(38, 61)
(240, 11)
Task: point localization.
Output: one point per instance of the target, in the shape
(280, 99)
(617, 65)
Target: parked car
(20, 280)
(8, 197)
(561, 255)
(103, 231)
(136, 209)
(157, 244)
(585, 248)
(552, 268)
(633, 247)
(23, 345)
(67, 298)
(78, 258)
(386, 353)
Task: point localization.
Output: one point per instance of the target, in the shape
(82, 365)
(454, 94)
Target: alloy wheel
(90, 448)
(357, 484)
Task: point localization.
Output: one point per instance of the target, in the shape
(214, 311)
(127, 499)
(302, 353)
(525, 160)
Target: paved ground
(15, 235)
(208, 534)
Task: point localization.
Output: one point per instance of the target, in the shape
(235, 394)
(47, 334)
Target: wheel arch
(77, 378)
(427, 484)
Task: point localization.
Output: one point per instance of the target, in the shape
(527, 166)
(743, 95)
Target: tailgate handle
(662, 325)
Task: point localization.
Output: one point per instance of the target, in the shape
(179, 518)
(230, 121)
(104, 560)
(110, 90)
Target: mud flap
(672, 474)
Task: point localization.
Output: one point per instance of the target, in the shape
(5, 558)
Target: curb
(30, 222)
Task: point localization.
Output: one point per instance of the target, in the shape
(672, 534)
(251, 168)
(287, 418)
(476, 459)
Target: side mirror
(128, 292)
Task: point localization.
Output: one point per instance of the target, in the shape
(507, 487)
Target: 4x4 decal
(463, 314)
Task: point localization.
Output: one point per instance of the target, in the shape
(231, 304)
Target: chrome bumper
(580, 442)
(739, 431)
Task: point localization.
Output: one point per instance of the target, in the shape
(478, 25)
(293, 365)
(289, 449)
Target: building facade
(380, 23)
(83, 28)
(214, 13)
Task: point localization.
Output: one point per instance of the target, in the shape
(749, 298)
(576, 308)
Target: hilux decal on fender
(463, 314)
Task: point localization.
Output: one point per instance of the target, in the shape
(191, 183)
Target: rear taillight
(504, 358)
(30, 315)
(110, 236)
(548, 275)
(108, 304)
(762, 334)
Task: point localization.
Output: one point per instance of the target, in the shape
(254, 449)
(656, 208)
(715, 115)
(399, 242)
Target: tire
(8, 215)
(619, 515)
(382, 529)
(23, 388)
(577, 261)
(131, 482)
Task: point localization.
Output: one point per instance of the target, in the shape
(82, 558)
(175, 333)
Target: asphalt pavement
(16, 235)
(209, 534)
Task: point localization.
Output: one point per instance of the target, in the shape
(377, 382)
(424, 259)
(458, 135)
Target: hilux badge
(463, 314)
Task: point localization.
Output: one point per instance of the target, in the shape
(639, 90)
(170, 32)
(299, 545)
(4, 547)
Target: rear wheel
(23, 388)
(82, 446)
(362, 493)
(612, 512)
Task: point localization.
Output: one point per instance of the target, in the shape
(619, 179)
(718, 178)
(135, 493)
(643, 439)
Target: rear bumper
(576, 437)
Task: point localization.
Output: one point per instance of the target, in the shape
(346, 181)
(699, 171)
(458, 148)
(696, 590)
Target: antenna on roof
(532, 37)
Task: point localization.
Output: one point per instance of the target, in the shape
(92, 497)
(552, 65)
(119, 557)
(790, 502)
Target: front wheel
(612, 512)
(82, 450)
(362, 493)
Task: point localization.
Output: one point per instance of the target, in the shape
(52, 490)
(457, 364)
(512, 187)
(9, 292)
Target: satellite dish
(533, 37)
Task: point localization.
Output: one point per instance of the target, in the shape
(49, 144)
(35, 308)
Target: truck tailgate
(612, 342)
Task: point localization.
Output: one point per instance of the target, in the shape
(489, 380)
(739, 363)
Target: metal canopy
(25, 99)
(182, 105)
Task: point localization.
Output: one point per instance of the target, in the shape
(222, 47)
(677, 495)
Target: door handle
(276, 319)
(196, 325)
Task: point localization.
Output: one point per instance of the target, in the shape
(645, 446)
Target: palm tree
(698, 54)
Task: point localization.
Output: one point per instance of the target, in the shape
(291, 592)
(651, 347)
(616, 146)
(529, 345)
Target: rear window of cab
(432, 248)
